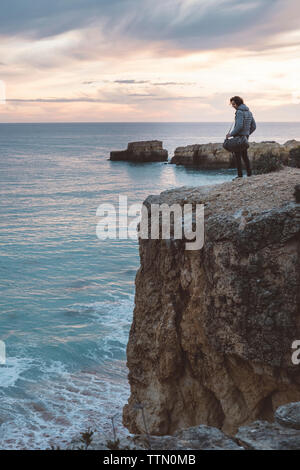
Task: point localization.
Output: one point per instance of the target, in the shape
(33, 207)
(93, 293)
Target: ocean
(67, 297)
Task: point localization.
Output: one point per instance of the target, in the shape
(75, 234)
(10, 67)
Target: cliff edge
(212, 332)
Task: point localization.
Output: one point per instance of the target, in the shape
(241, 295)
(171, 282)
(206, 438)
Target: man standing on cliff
(244, 126)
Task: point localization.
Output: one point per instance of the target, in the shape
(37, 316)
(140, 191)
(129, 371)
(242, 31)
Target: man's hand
(227, 136)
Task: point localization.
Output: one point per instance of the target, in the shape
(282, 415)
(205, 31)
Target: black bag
(236, 144)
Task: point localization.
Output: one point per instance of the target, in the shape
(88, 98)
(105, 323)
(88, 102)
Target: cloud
(187, 24)
(172, 83)
(131, 82)
(137, 82)
(56, 100)
(49, 18)
(128, 56)
(110, 98)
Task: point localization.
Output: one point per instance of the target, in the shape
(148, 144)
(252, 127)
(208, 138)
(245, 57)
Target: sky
(148, 60)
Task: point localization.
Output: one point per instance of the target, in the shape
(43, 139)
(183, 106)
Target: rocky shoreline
(209, 156)
(282, 434)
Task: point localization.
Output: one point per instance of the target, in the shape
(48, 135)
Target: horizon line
(142, 122)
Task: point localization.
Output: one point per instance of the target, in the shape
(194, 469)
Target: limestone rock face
(212, 332)
(213, 156)
(144, 151)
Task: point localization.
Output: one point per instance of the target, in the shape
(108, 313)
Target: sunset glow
(179, 60)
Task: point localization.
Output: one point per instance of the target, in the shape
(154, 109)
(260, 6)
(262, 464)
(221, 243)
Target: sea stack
(143, 151)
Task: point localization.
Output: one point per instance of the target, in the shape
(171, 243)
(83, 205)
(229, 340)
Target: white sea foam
(13, 370)
(62, 404)
(59, 410)
(116, 318)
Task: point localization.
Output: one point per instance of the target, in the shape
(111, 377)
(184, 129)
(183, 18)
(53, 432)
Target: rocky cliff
(212, 332)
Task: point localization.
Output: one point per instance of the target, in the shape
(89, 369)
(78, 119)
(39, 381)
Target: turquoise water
(67, 297)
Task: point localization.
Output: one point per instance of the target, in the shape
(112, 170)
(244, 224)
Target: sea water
(67, 297)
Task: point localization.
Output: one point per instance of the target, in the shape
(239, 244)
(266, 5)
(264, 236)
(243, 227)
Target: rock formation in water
(212, 332)
(213, 156)
(144, 151)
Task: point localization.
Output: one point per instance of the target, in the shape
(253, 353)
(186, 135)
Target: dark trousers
(239, 156)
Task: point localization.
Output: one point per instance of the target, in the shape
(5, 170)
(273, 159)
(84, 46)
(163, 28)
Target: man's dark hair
(237, 99)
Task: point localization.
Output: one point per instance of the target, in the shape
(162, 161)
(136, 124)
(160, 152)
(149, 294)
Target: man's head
(236, 101)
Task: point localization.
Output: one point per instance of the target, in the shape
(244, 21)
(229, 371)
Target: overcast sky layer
(148, 60)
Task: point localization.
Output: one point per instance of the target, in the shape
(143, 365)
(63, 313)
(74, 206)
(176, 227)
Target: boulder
(284, 434)
(144, 151)
(291, 144)
(212, 331)
(195, 438)
(268, 436)
(289, 415)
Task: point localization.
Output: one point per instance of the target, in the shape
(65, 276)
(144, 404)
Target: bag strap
(234, 122)
(230, 128)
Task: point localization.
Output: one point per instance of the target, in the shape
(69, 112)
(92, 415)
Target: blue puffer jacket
(244, 122)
